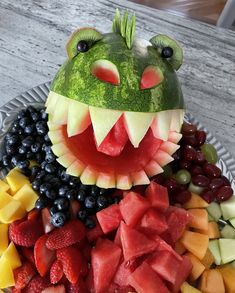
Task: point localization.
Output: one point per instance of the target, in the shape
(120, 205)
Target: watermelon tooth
(52, 126)
(78, 118)
(169, 147)
(161, 125)
(51, 102)
(139, 178)
(76, 168)
(153, 168)
(66, 160)
(60, 149)
(137, 125)
(163, 158)
(103, 121)
(106, 180)
(174, 137)
(88, 176)
(123, 182)
(177, 117)
(56, 136)
(60, 113)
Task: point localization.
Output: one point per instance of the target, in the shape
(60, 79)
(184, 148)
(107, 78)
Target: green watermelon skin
(75, 80)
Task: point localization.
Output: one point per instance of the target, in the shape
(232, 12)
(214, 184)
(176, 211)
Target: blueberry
(22, 150)
(16, 129)
(31, 109)
(11, 149)
(11, 139)
(64, 176)
(41, 203)
(36, 184)
(44, 187)
(35, 116)
(41, 174)
(116, 199)
(47, 138)
(48, 178)
(30, 155)
(82, 215)
(53, 210)
(103, 191)
(39, 158)
(50, 158)
(41, 127)
(74, 182)
(63, 190)
(90, 223)
(90, 202)
(51, 194)
(102, 201)
(23, 164)
(26, 172)
(58, 219)
(29, 129)
(81, 195)
(24, 121)
(84, 187)
(62, 204)
(95, 190)
(6, 160)
(71, 194)
(35, 170)
(55, 182)
(43, 164)
(46, 148)
(28, 141)
(21, 114)
(15, 159)
(44, 115)
(50, 168)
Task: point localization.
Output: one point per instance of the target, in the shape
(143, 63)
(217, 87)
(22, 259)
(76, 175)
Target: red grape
(226, 181)
(182, 196)
(208, 196)
(200, 137)
(216, 183)
(200, 158)
(211, 170)
(200, 180)
(188, 129)
(196, 170)
(171, 184)
(224, 193)
(184, 164)
(189, 153)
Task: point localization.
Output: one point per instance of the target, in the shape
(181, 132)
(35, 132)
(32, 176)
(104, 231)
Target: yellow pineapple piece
(6, 274)
(5, 198)
(3, 238)
(12, 256)
(27, 196)
(186, 288)
(4, 186)
(16, 180)
(11, 212)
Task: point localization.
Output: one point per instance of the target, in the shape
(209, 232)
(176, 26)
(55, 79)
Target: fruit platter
(107, 184)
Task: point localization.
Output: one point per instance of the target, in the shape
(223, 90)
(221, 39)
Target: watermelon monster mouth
(111, 148)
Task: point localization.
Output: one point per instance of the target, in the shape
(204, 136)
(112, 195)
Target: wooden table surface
(33, 34)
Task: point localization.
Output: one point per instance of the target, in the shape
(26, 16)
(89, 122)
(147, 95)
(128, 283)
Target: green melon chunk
(228, 232)
(228, 208)
(210, 218)
(215, 250)
(214, 211)
(227, 250)
(232, 221)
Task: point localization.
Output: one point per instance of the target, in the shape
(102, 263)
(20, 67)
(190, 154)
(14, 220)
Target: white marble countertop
(33, 34)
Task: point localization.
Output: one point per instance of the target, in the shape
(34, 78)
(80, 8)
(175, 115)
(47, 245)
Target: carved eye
(151, 77)
(106, 71)
(167, 52)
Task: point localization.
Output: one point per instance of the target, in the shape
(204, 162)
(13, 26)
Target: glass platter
(37, 96)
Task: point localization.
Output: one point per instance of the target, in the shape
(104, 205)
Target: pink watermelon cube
(94, 233)
(157, 196)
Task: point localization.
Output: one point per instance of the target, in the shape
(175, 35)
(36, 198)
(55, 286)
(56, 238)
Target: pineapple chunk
(27, 196)
(12, 256)
(3, 237)
(4, 186)
(16, 180)
(11, 212)
(6, 274)
(5, 198)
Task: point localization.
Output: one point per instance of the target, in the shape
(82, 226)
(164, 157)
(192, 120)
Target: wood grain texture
(33, 34)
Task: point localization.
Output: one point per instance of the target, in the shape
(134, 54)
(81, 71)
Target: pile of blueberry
(28, 141)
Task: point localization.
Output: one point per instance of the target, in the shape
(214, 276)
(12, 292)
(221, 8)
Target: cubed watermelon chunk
(145, 280)
(117, 239)
(105, 257)
(165, 264)
(109, 218)
(132, 207)
(94, 233)
(157, 195)
(135, 243)
(153, 221)
(122, 274)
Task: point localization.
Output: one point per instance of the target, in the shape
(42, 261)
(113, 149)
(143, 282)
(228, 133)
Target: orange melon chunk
(186, 288)
(198, 267)
(212, 231)
(211, 282)
(199, 219)
(196, 243)
(195, 202)
(208, 259)
(228, 274)
(179, 248)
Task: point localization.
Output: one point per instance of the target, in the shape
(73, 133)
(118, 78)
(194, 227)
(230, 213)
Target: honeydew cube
(215, 250)
(228, 232)
(214, 211)
(228, 208)
(3, 238)
(4, 186)
(11, 212)
(6, 274)
(5, 198)
(27, 196)
(16, 180)
(12, 256)
(232, 221)
(227, 250)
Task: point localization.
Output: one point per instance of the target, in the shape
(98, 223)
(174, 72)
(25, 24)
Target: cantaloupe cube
(6, 274)
(195, 202)
(213, 230)
(11, 212)
(12, 256)
(198, 267)
(179, 248)
(27, 196)
(4, 186)
(5, 198)
(3, 238)
(186, 288)
(195, 243)
(228, 274)
(211, 282)
(16, 180)
(199, 219)
(208, 259)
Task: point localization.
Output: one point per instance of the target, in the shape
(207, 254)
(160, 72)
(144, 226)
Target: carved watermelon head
(116, 92)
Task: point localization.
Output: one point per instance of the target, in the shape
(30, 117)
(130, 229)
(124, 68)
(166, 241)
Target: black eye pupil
(82, 46)
(167, 52)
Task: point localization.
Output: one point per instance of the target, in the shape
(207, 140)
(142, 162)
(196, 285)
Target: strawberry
(23, 275)
(46, 220)
(72, 262)
(56, 272)
(55, 289)
(27, 253)
(74, 208)
(34, 214)
(79, 287)
(25, 232)
(15, 290)
(71, 233)
(43, 256)
(36, 285)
